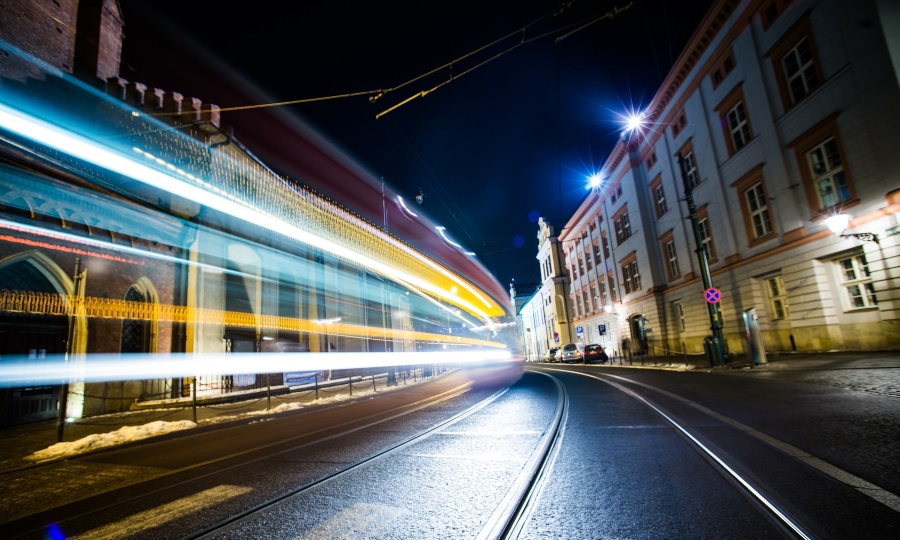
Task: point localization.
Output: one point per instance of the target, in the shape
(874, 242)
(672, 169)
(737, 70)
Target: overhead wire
(375, 95)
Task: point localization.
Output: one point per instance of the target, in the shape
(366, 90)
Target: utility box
(755, 347)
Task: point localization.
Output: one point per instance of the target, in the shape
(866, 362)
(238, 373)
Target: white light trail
(19, 370)
(403, 205)
(82, 148)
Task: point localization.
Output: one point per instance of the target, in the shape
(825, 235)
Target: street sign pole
(715, 352)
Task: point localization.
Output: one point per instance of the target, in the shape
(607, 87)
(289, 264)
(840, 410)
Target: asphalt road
(819, 452)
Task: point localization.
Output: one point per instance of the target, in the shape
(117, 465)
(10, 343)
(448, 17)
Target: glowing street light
(838, 224)
(634, 122)
(595, 180)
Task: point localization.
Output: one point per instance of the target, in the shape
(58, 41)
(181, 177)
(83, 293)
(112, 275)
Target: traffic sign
(601, 328)
(556, 339)
(579, 330)
(712, 295)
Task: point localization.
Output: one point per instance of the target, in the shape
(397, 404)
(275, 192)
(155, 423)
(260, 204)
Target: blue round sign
(712, 295)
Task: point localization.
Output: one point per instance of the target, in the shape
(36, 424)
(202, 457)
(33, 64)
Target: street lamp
(839, 223)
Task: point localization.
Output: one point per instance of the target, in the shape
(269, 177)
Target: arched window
(135, 332)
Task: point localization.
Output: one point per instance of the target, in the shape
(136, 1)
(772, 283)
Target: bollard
(268, 394)
(350, 384)
(194, 397)
(414, 373)
(317, 385)
(373, 383)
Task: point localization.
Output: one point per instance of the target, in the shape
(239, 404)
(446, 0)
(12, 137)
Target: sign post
(713, 345)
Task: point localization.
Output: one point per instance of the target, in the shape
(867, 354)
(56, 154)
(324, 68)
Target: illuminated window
(828, 174)
(858, 282)
(778, 303)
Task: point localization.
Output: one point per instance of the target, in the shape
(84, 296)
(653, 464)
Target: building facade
(784, 114)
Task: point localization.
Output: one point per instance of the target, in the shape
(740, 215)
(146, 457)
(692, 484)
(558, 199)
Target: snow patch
(103, 440)
(281, 408)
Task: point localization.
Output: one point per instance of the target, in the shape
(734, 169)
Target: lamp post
(714, 346)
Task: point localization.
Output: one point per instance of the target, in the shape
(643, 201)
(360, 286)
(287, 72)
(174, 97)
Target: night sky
(491, 150)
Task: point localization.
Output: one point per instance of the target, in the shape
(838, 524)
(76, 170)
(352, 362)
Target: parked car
(552, 355)
(572, 352)
(595, 353)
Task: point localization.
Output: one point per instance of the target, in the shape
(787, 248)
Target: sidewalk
(777, 361)
(20, 442)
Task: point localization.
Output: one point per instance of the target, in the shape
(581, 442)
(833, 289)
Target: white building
(785, 113)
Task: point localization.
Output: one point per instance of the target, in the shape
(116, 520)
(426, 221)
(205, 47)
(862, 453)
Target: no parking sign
(712, 295)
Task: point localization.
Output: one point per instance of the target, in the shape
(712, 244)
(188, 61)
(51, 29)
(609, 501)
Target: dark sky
(491, 150)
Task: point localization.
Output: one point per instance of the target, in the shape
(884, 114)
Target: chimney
(210, 113)
(192, 107)
(134, 94)
(115, 86)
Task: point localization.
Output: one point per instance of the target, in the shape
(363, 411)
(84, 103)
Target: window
(796, 65)
(597, 259)
(587, 259)
(612, 287)
(619, 187)
(823, 168)
(828, 173)
(689, 162)
(587, 302)
(580, 266)
(604, 292)
(659, 196)
(679, 315)
(759, 210)
(605, 241)
(738, 126)
(858, 282)
(778, 304)
(631, 278)
(755, 206)
(771, 11)
(735, 122)
(594, 294)
(706, 239)
(679, 124)
(651, 161)
(800, 70)
(622, 225)
(723, 67)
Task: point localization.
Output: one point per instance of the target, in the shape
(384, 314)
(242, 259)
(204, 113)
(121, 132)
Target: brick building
(785, 114)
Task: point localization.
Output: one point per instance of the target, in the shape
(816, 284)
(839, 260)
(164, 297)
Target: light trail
(111, 308)
(20, 370)
(77, 146)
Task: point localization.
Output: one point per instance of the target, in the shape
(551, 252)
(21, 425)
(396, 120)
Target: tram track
(368, 422)
(767, 505)
(510, 514)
